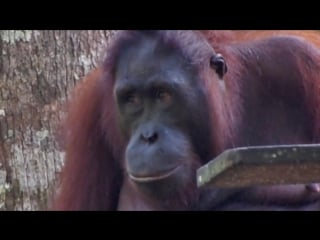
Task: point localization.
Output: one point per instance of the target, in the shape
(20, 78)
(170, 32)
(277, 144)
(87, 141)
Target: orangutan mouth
(146, 179)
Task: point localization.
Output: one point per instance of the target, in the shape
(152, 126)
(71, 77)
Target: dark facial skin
(162, 113)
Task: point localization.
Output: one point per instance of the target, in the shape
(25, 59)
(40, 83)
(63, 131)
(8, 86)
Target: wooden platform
(263, 165)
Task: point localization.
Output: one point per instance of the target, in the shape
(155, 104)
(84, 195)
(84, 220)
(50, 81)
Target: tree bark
(38, 70)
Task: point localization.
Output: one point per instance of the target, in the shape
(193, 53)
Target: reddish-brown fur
(92, 176)
(221, 40)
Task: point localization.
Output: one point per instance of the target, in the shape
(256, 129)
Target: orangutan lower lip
(146, 179)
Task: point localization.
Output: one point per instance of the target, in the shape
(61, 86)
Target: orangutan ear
(218, 63)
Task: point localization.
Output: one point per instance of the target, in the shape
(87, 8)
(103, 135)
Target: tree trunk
(37, 71)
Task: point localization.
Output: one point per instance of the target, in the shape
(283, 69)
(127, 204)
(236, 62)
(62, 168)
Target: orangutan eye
(128, 97)
(162, 95)
(131, 98)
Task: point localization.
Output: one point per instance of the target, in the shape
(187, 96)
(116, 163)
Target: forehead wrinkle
(150, 71)
(125, 84)
(163, 76)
